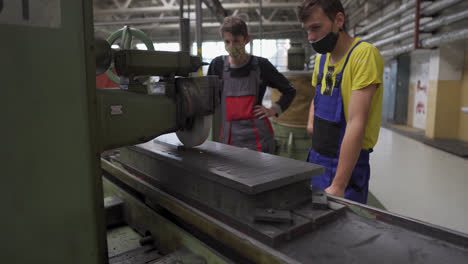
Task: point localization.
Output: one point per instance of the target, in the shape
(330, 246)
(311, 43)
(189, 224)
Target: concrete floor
(415, 180)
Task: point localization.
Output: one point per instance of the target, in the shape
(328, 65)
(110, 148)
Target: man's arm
(216, 67)
(358, 112)
(211, 69)
(275, 79)
(310, 120)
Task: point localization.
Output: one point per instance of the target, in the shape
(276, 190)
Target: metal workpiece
(198, 174)
(319, 199)
(231, 206)
(113, 206)
(232, 183)
(243, 170)
(321, 216)
(272, 216)
(277, 227)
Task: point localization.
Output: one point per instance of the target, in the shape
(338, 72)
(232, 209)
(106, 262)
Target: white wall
(419, 82)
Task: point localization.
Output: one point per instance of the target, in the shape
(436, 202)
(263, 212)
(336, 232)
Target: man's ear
(339, 20)
(247, 39)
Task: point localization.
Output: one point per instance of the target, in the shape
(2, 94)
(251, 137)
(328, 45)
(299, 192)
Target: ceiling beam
(148, 20)
(216, 9)
(217, 25)
(159, 9)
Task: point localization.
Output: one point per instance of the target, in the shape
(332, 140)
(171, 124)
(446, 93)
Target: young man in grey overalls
(245, 78)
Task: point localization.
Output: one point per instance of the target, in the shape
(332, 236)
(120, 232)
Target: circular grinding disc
(198, 133)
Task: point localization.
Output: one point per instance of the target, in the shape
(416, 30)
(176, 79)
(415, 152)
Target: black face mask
(326, 44)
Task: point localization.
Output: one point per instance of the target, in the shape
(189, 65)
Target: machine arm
(141, 109)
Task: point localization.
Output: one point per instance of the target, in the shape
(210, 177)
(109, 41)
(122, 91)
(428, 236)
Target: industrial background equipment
(164, 203)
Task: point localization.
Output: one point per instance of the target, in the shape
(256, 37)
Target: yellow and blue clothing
(360, 67)
(365, 67)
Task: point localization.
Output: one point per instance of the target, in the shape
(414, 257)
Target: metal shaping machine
(247, 206)
(210, 203)
(141, 110)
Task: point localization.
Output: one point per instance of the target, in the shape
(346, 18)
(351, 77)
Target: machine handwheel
(126, 34)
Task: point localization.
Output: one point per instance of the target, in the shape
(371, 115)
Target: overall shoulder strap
(339, 76)
(255, 64)
(254, 61)
(323, 59)
(226, 64)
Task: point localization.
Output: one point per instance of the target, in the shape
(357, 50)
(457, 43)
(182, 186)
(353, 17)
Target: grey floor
(419, 181)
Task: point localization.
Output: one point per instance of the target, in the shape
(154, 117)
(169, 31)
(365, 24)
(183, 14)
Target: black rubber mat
(453, 146)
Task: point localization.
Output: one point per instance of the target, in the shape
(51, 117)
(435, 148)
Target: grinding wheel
(198, 133)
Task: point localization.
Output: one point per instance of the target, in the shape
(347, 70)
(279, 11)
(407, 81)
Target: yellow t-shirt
(365, 67)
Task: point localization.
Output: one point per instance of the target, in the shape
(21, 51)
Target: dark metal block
(272, 215)
(274, 234)
(232, 180)
(113, 206)
(247, 171)
(229, 182)
(320, 216)
(335, 206)
(319, 199)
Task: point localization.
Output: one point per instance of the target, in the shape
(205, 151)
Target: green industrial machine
(208, 204)
(57, 124)
(52, 209)
(133, 113)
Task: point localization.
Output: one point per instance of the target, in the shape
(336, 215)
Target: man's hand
(335, 190)
(262, 112)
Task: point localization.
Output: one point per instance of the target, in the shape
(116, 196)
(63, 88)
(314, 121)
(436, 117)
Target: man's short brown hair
(329, 7)
(234, 25)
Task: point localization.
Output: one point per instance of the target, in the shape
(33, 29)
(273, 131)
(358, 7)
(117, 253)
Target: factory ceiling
(159, 18)
(388, 24)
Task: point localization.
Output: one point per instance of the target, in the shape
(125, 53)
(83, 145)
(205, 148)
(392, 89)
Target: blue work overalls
(329, 129)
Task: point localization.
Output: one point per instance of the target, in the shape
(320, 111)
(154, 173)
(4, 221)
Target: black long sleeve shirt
(269, 76)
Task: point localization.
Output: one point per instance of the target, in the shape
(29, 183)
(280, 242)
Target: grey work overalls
(239, 126)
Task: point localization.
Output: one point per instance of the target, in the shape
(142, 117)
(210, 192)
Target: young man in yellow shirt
(345, 114)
